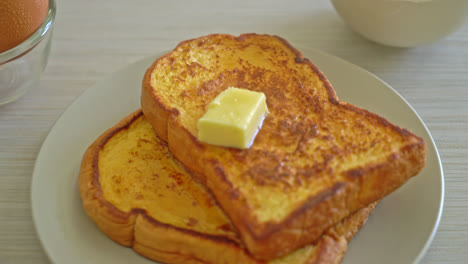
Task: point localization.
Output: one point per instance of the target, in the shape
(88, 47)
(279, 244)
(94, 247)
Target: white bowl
(403, 23)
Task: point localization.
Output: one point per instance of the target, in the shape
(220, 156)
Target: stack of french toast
(313, 174)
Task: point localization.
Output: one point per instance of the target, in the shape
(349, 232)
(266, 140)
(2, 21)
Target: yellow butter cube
(233, 118)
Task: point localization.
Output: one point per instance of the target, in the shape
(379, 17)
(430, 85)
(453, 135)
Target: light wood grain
(94, 38)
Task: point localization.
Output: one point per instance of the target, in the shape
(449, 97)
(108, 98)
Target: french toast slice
(315, 160)
(141, 197)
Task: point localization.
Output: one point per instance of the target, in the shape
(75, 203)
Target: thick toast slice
(141, 197)
(315, 160)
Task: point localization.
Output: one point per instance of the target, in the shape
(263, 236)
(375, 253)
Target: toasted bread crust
(170, 244)
(358, 187)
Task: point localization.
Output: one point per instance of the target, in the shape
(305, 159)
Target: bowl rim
(34, 39)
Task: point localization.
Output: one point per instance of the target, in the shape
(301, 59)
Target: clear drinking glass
(22, 66)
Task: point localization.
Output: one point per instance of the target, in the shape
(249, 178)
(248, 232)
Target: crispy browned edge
(163, 242)
(340, 235)
(316, 213)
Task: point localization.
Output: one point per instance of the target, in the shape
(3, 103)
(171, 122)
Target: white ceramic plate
(399, 231)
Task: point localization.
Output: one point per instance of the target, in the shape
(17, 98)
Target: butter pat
(233, 118)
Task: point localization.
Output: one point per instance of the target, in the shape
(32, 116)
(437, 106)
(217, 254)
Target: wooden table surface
(92, 39)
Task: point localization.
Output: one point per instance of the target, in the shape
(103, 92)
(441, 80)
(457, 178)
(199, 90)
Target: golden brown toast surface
(141, 197)
(315, 160)
(137, 171)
